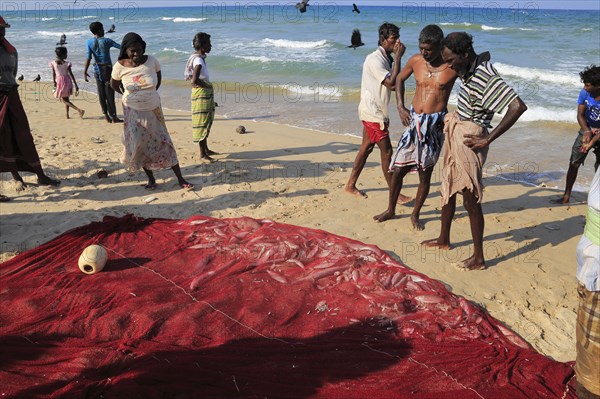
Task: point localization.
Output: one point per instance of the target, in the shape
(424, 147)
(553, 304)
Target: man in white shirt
(378, 80)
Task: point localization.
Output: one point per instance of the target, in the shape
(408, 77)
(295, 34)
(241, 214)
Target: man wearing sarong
(17, 149)
(482, 94)
(587, 365)
(378, 80)
(420, 146)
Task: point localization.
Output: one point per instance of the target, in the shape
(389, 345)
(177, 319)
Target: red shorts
(374, 131)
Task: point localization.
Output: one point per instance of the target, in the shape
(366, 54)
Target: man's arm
(587, 132)
(390, 81)
(514, 112)
(85, 69)
(400, 90)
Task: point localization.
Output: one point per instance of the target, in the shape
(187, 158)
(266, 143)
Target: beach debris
(301, 5)
(355, 8)
(321, 306)
(356, 39)
(62, 41)
(148, 200)
(240, 129)
(102, 174)
(97, 140)
(552, 227)
(37, 78)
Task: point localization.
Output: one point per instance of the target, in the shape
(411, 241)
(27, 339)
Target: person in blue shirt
(99, 48)
(588, 117)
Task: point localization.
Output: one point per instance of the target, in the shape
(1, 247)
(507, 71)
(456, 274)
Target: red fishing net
(210, 308)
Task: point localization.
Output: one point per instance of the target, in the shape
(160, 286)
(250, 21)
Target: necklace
(433, 71)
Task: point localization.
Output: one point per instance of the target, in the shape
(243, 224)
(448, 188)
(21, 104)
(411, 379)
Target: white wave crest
(48, 19)
(456, 23)
(253, 58)
(189, 19)
(87, 17)
(295, 44)
(486, 27)
(167, 18)
(58, 33)
(534, 114)
(311, 92)
(174, 50)
(534, 74)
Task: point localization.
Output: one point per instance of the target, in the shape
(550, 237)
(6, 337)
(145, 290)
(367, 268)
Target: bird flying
(63, 40)
(356, 39)
(301, 6)
(355, 8)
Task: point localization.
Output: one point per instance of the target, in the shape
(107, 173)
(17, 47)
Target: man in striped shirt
(482, 94)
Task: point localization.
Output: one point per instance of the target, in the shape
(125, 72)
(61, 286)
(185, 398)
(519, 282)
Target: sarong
(203, 112)
(421, 144)
(146, 140)
(462, 168)
(587, 332)
(17, 149)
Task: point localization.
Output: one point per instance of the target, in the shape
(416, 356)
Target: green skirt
(203, 112)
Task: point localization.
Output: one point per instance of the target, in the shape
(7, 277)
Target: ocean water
(271, 63)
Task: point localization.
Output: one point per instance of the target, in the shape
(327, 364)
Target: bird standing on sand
(112, 29)
(63, 40)
(301, 6)
(37, 78)
(355, 8)
(356, 39)
(20, 78)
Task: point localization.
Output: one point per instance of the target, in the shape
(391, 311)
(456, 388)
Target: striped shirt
(483, 93)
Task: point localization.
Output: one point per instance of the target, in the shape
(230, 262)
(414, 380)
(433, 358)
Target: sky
(540, 4)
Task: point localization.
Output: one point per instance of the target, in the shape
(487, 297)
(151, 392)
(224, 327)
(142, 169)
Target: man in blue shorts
(588, 117)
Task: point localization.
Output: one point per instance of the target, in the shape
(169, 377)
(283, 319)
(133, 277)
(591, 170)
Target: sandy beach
(296, 176)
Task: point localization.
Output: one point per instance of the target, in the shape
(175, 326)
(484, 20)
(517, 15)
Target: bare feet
(20, 186)
(81, 113)
(355, 191)
(150, 186)
(416, 223)
(207, 159)
(403, 199)
(211, 152)
(46, 181)
(382, 217)
(436, 243)
(116, 120)
(185, 185)
(472, 263)
(107, 119)
(561, 200)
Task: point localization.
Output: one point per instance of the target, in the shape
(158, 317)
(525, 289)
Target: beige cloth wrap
(462, 167)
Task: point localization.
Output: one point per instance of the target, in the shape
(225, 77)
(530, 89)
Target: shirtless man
(420, 145)
(379, 75)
